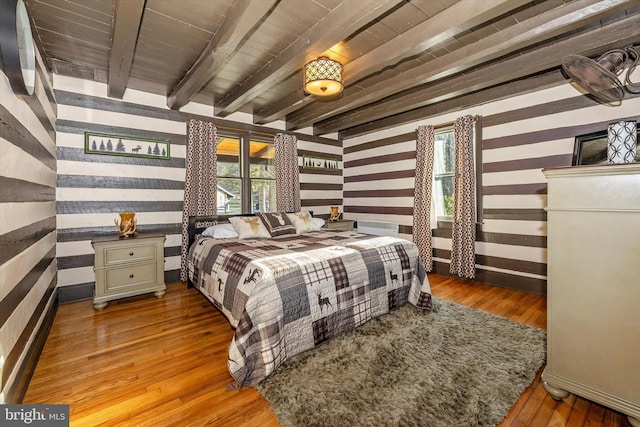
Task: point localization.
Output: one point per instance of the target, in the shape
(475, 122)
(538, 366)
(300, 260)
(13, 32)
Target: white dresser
(127, 267)
(593, 290)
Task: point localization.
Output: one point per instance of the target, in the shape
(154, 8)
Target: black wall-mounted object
(16, 45)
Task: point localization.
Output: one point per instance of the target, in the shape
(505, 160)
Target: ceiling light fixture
(323, 77)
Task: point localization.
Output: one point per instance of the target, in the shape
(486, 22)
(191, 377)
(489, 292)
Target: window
(444, 164)
(246, 174)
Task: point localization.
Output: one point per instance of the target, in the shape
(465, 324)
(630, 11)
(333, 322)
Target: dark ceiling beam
(452, 21)
(533, 30)
(345, 19)
(282, 107)
(619, 33)
(241, 19)
(126, 26)
(494, 93)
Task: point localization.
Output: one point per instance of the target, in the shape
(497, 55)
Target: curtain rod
(448, 124)
(244, 130)
(239, 129)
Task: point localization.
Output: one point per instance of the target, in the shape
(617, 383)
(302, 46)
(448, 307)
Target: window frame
(244, 138)
(440, 131)
(446, 221)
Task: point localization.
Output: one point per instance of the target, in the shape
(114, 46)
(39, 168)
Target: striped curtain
(200, 184)
(287, 175)
(464, 215)
(423, 212)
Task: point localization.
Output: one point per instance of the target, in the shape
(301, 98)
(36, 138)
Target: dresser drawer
(132, 253)
(131, 277)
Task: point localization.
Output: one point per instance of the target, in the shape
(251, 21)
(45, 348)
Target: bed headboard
(197, 224)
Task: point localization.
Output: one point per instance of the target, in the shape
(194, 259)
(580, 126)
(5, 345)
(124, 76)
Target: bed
(286, 294)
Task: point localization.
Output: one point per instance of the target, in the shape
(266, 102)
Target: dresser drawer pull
(131, 276)
(130, 253)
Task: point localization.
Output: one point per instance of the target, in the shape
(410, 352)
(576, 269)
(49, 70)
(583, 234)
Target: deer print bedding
(290, 293)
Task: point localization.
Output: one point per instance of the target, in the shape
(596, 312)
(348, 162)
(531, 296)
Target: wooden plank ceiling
(419, 57)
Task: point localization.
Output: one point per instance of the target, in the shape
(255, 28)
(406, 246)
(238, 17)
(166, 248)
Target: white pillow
(221, 231)
(249, 227)
(303, 222)
(318, 221)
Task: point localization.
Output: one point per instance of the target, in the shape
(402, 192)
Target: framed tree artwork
(311, 162)
(116, 145)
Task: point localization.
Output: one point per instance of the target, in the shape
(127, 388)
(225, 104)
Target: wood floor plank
(512, 416)
(543, 416)
(528, 413)
(595, 415)
(562, 411)
(145, 361)
(579, 413)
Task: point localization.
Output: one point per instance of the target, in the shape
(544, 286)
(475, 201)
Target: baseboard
(73, 293)
(503, 280)
(18, 389)
(172, 276)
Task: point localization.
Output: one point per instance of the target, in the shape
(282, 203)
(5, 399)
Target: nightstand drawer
(129, 254)
(341, 224)
(135, 277)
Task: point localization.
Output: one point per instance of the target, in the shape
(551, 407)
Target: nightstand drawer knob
(130, 253)
(131, 276)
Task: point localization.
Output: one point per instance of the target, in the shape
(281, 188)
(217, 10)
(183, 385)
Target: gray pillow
(277, 223)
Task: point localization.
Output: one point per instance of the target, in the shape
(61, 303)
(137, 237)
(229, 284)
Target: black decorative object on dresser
(128, 267)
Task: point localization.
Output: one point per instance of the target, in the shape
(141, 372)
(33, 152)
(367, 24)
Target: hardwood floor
(145, 361)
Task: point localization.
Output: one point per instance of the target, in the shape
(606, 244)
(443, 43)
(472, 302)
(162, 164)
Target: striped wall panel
(92, 189)
(27, 228)
(521, 136)
(320, 189)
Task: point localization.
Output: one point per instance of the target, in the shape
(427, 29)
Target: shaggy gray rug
(454, 367)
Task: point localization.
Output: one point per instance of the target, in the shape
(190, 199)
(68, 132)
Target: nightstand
(128, 267)
(341, 224)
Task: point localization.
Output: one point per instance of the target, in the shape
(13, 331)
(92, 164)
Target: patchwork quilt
(290, 293)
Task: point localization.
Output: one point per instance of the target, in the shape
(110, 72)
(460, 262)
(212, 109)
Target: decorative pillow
(249, 227)
(277, 223)
(221, 231)
(303, 222)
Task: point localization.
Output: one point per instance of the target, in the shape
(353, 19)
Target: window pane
(229, 195)
(228, 152)
(443, 192)
(443, 173)
(263, 195)
(261, 160)
(444, 155)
